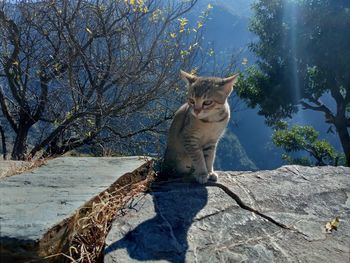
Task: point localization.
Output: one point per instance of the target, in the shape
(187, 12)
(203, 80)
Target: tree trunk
(345, 141)
(3, 142)
(20, 147)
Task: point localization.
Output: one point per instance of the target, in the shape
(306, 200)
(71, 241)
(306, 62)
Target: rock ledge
(184, 222)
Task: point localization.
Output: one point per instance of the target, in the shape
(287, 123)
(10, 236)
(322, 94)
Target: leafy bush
(304, 139)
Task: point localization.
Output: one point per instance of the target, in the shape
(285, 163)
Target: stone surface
(31, 203)
(182, 222)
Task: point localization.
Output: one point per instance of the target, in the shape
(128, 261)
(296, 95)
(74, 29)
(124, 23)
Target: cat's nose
(196, 111)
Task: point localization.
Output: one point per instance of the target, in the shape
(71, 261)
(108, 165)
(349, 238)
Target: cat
(197, 127)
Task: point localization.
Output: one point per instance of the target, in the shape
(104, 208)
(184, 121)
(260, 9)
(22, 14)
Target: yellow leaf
(173, 35)
(183, 22)
(332, 225)
(90, 122)
(57, 66)
(184, 53)
(244, 61)
(211, 52)
(89, 31)
(209, 6)
(194, 71)
(156, 15)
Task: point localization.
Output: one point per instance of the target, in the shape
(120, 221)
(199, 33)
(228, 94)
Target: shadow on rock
(164, 237)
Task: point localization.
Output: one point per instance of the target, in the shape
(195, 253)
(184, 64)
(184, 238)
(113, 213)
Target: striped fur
(197, 127)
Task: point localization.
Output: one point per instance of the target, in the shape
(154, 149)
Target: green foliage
(295, 139)
(304, 138)
(306, 38)
(303, 53)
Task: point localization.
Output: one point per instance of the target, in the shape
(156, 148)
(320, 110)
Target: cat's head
(207, 95)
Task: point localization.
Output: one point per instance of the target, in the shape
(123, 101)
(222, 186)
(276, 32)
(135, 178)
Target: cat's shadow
(164, 237)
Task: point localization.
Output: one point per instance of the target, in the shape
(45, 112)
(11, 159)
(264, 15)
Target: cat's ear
(229, 83)
(189, 78)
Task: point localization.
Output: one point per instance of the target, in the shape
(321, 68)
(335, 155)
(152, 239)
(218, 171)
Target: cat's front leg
(209, 155)
(200, 169)
(198, 162)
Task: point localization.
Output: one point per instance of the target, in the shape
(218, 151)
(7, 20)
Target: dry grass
(9, 168)
(81, 238)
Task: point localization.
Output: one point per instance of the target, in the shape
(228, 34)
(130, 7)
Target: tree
(304, 138)
(76, 73)
(3, 142)
(303, 55)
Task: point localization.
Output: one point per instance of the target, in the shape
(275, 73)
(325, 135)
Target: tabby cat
(197, 127)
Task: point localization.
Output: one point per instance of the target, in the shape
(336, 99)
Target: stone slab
(31, 203)
(192, 223)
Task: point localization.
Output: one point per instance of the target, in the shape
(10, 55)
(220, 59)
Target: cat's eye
(207, 102)
(191, 101)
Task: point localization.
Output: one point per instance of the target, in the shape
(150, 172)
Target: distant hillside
(231, 154)
(227, 30)
(235, 7)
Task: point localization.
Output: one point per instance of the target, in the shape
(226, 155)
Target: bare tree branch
(84, 72)
(330, 118)
(6, 111)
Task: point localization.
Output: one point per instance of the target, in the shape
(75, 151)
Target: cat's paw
(202, 178)
(213, 176)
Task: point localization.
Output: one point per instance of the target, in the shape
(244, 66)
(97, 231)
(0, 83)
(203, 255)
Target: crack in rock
(212, 214)
(248, 208)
